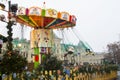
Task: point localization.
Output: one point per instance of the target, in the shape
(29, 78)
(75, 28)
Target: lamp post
(12, 9)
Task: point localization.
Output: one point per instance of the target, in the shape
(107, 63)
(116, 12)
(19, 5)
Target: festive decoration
(36, 50)
(9, 27)
(37, 57)
(41, 38)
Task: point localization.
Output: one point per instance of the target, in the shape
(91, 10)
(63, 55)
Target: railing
(54, 75)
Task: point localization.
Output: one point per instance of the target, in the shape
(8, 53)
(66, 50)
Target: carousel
(43, 22)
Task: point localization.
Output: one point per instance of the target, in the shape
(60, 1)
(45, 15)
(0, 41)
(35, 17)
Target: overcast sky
(98, 21)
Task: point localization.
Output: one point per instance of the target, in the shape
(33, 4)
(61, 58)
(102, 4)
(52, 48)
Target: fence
(55, 75)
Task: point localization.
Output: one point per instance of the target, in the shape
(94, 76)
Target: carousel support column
(36, 57)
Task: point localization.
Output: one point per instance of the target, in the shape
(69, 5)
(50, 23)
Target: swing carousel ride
(43, 22)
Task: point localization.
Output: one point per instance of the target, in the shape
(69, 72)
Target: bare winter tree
(113, 52)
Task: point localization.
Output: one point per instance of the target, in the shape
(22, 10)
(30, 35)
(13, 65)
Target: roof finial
(44, 5)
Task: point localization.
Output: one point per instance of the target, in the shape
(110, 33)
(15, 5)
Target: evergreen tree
(12, 62)
(51, 63)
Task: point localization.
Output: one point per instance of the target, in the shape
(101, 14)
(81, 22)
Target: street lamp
(2, 6)
(12, 9)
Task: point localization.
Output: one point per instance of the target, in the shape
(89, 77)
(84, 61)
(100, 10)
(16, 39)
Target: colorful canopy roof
(36, 17)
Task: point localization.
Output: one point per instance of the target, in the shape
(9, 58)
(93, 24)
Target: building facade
(92, 59)
(79, 55)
